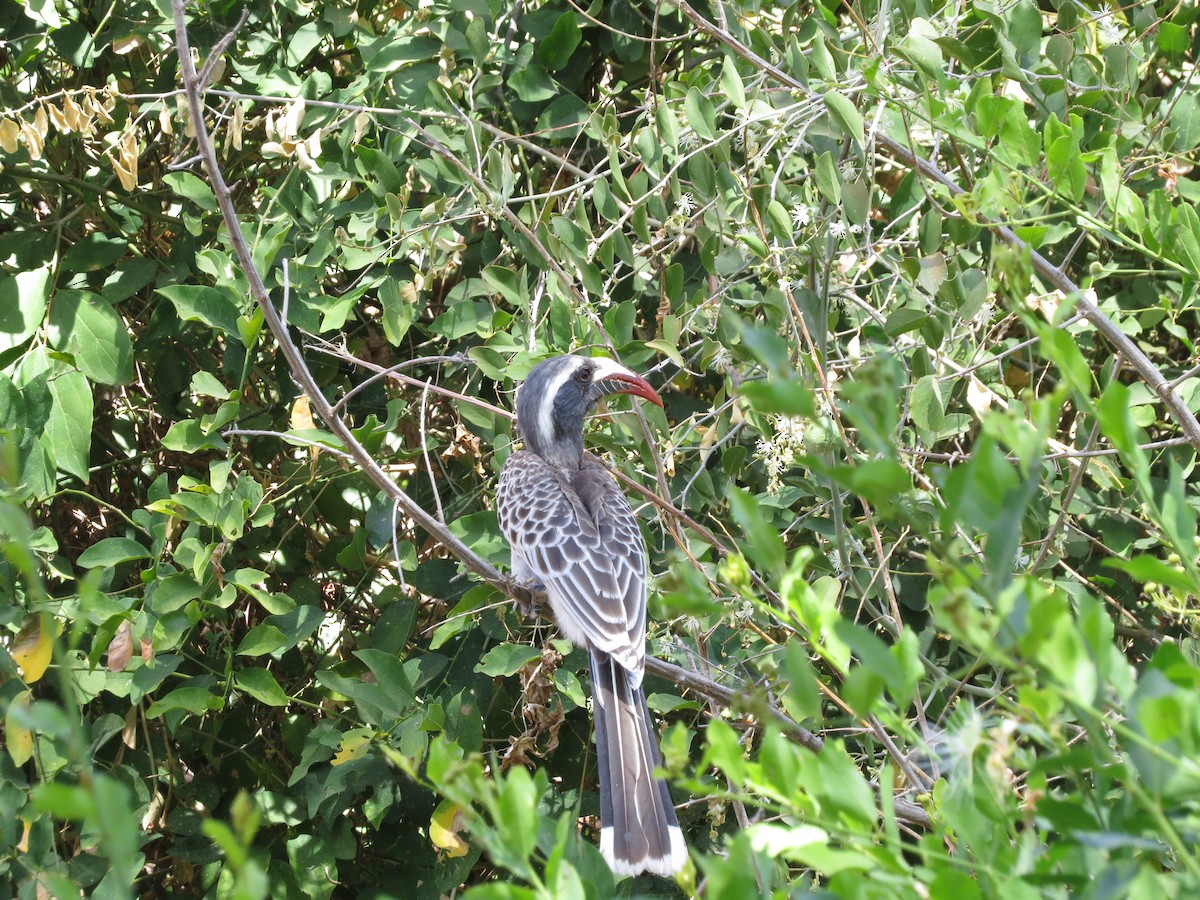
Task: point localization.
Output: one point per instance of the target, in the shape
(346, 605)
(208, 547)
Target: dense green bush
(921, 504)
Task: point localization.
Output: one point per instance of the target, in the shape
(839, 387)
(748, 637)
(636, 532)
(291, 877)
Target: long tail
(638, 827)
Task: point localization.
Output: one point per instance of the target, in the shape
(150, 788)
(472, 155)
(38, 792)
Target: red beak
(619, 380)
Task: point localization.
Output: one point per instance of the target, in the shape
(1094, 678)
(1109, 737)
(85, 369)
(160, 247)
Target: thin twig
(218, 51)
(437, 496)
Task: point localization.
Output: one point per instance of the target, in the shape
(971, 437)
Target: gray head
(559, 392)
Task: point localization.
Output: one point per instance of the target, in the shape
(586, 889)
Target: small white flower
(689, 139)
(801, 215)
(838, 229)
(685, 205)
(856, 229)
(1110, 33)
(984, 316)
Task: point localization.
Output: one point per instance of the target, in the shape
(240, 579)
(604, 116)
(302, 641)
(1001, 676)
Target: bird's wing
(575, 532)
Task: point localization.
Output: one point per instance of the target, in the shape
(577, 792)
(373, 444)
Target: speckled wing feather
(573, 530)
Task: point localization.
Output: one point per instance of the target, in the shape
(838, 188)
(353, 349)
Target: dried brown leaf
(120, 648)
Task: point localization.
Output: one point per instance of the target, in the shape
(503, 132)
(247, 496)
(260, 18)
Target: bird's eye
(584, 375)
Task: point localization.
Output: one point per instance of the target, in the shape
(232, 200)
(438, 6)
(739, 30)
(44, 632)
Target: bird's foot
(528, 594)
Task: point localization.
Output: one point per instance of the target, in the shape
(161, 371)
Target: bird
(574, 535)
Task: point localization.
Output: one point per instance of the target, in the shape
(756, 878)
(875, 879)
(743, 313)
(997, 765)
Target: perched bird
(573, 533)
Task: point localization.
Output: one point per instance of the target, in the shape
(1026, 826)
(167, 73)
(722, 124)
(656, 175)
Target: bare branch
(218, 51)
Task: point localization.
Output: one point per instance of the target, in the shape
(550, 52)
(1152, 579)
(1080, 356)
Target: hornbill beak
(611, 378)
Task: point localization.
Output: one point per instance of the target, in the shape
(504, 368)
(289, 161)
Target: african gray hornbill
(573, 532)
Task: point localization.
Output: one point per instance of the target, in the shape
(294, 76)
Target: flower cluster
(778, 452)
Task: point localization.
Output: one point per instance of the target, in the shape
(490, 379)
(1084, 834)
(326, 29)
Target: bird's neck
(560, 446)
(562, 454)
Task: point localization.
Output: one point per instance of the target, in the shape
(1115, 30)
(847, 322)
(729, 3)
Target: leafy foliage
(905, 498)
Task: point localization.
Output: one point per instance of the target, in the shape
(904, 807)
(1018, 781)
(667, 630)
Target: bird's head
(559, 392)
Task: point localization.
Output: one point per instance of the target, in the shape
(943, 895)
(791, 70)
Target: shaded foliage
(906, 498)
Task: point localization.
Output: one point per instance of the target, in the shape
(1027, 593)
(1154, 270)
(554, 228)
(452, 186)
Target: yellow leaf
(33, 647)
(10, 131)
(355, 744)
(237, 124)
(448, 820)
(129, 732)
(18, 739)
(302, 414)
(127, 170)
(34, 140)
(73, 113)
(58, 118)
(127, 44)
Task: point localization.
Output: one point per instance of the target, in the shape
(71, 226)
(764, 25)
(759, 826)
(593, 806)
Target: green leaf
(1065, 168)
(70, 802)
(833, 776)
(205, 384)
(22, 305)
(762, 542)
(391, 676)
(532, 84)
(731, 82)
(828, 178)
(904, 319)
(846, 115)
(191, 187)
(187, 436)
(1018, 142)
(778, 396)
(1172, 39)
(261, 684)
(84, 325)
(261, 640)
(701, 116)
(555, 49)
(195, 700)
(922, 45)
(95, 252)
(112, 551)
(1145, 568)
(68, 434)
(1025, 29)
(925, 404)
(508, 284)
(401, 307)
(504, 660)
(210, 306)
